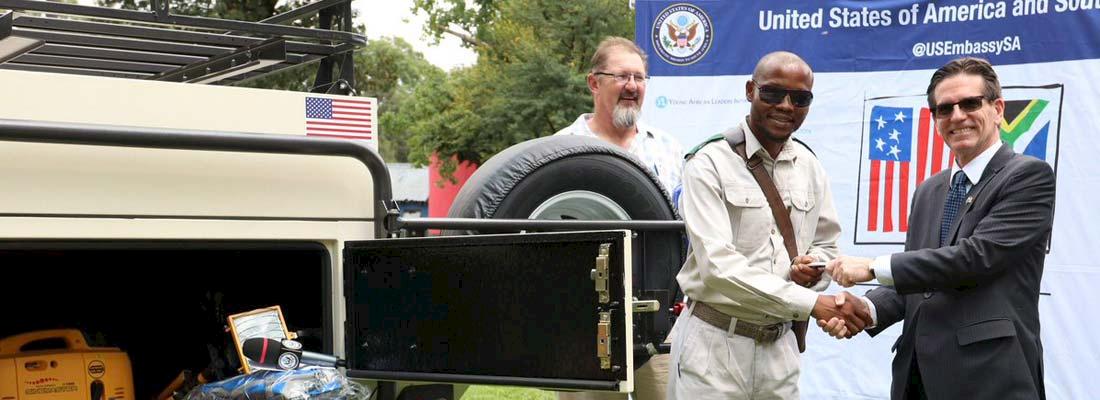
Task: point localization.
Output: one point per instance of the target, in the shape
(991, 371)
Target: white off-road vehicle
(145, 199)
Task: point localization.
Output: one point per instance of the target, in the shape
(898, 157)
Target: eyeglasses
(624, 78)
(775, 95)
(968, 104)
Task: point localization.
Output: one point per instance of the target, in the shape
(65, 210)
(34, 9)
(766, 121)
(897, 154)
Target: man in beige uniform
(734, 339)
(617, 82)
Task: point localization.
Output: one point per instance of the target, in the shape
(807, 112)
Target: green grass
(506, 393)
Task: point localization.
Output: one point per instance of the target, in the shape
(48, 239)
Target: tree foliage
(386, 68)
(244, 10)
(390, 70)
(529, 80)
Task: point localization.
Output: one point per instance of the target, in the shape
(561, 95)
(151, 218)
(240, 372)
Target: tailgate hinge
(603, 340)
(600, 274)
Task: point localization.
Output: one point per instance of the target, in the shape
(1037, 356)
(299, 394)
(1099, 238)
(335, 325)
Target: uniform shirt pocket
(803, 217)
(985, 330)
(749, 212)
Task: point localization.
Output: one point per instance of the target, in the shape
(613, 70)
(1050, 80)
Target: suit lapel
(998, 162)
(938, 188)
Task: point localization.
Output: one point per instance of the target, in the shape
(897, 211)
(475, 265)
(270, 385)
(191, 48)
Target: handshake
(843, 315)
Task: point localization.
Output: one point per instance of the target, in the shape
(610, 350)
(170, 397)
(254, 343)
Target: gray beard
(624, 117)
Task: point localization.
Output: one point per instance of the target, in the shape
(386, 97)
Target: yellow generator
(76, 372)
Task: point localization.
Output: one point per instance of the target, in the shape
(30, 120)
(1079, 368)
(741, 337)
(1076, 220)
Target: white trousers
(714, 363)
(650, 383)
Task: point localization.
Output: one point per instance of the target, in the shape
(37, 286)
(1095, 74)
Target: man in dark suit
(967, 284)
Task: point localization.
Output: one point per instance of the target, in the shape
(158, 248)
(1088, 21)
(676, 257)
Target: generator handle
(74, 340)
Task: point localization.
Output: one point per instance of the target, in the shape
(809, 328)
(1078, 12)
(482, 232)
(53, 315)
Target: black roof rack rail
(159, 45)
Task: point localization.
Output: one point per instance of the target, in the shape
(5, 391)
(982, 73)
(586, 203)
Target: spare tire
(577, 177)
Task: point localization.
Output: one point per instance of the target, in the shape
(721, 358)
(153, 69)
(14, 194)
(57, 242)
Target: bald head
(779, 60)
(775, 113)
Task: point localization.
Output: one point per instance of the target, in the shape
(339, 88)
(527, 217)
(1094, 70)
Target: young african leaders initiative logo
(901, 149)
(682, 34)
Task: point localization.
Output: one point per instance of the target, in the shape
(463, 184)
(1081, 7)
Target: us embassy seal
(682, 34)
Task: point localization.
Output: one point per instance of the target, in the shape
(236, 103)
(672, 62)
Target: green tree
(529, 80)
(245, 10)
(387, 68)
(390, 70)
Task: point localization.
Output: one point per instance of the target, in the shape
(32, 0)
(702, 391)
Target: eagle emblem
(683, 35)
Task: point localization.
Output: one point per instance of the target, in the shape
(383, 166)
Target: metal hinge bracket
(600, 274)
(603, 340)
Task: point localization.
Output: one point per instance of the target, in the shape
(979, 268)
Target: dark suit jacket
(971, 307)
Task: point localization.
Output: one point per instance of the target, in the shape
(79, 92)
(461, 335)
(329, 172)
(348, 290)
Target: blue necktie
(951, 207)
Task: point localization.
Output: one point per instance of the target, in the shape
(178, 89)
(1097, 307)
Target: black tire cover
(511, 184)
(488, 187)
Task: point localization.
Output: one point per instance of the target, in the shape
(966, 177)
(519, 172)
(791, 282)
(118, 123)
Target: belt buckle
(767, 334)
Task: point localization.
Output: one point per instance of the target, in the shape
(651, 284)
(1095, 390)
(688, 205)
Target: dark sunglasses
(968, 104)
(775, 95)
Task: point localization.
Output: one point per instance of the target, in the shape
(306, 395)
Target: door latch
(645, 306)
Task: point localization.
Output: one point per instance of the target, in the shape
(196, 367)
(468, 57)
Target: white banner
(866, 127)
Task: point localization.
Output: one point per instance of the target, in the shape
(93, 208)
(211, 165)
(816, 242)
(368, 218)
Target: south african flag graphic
(1031, 120)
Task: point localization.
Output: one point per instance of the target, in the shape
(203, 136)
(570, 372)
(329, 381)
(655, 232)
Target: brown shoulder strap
(736, 139)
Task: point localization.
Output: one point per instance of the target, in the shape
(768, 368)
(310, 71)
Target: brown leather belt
(760, 333)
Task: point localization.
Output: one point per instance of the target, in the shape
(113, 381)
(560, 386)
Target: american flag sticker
(341, 118)
(901, 149)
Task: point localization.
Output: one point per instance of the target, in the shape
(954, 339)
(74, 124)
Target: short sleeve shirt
(658, 151)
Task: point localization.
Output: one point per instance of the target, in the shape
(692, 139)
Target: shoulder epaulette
(698, 147)
(806, 146)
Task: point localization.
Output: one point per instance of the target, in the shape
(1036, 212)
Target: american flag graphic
(899, 142)
(342, 118)
(901, 149)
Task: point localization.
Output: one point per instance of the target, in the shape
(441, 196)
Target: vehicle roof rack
(46, 36)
